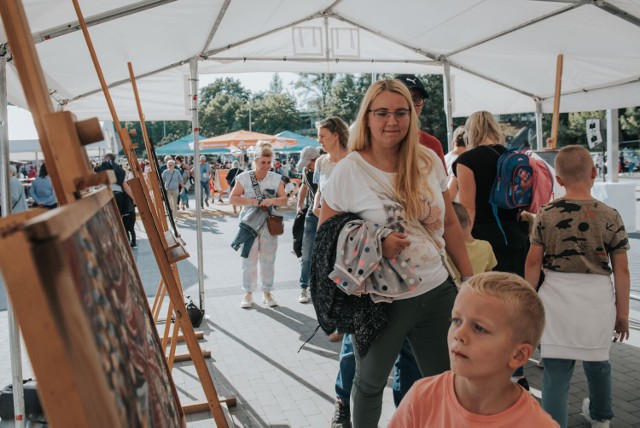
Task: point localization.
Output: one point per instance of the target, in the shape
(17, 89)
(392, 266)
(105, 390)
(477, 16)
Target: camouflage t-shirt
(578, 236)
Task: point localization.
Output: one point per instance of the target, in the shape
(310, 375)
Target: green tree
(276, 87)
(630, 123)
(222, 114)
(315, 89)
(228, 85)
(344, 100)
(160, 132)
(274, 113)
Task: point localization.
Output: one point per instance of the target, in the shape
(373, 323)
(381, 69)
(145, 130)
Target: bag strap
(306, 183)
(19, 199)
(256, 186)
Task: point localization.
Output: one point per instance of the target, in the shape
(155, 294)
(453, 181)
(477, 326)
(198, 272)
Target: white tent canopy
(502, 53)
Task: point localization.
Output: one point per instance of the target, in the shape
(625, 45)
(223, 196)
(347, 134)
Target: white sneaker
(247, 300)
(304, 296)
(587, 415)
(267, 298)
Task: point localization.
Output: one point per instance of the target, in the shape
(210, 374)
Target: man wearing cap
(205, 175)
(306, 195)
(419, 96)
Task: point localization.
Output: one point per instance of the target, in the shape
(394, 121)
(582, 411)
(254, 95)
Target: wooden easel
(166, 249)
(69, 334)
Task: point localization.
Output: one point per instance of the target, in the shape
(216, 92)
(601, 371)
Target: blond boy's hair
(521, 301)
(462, 214)
(574, 164)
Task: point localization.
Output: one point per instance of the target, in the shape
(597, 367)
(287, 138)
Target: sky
(21, 125)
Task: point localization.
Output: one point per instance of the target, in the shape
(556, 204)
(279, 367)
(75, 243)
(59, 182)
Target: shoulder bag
(390, 193)
(275, 223)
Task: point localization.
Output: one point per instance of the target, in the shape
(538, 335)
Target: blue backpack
(513, 185)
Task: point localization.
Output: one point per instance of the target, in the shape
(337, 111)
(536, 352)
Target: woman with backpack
(476, 170)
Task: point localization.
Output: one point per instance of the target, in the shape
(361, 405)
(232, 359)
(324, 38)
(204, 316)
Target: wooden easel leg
(174, 343)
(167, 326)
(157, 301)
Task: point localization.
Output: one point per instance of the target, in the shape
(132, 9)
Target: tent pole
(446, 80)
(539, 142)
(612, 146)
(193, 67)
(14, 331)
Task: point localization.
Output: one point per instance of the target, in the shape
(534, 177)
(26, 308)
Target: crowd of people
(385, 212)
(412, 269)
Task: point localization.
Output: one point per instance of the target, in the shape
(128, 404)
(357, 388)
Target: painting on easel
(85, 272)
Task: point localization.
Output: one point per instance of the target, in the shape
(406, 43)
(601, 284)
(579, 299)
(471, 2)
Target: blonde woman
(459, 147)
(263, 246)
(333, 136)
(392, 181)
(476, 170)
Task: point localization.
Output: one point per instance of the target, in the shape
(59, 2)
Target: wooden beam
(552, 141)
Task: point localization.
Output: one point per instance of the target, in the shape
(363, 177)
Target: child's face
(480, 336)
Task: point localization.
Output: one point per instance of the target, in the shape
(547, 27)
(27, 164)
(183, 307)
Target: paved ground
(256, 355)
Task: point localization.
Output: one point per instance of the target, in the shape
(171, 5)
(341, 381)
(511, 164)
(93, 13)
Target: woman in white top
(389, 179)
(264, 248)
(333, 136)
(459, 147)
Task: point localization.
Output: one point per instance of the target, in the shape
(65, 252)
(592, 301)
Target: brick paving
(255, 353)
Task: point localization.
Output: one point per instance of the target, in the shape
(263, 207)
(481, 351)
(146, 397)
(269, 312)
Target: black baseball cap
(412, 82)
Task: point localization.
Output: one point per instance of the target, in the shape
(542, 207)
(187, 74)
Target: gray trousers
(424, 320)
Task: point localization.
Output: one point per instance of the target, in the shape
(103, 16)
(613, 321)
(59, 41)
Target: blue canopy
(302, 142)
(183, 146)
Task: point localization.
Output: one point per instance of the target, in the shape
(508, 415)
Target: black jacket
(336, 310)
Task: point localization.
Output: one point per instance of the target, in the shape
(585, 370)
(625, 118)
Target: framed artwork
(76, 264)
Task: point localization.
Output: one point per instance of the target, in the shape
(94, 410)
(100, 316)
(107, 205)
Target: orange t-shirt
(432, 402)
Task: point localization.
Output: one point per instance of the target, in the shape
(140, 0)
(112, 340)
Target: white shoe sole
(270, 303)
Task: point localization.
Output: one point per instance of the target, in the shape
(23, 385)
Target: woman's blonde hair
(460, 137)
(482, 126)
(335, 125)
(412, 157)
(262, 150)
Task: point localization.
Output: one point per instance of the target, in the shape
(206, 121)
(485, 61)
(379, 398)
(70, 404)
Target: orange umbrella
(245, 139)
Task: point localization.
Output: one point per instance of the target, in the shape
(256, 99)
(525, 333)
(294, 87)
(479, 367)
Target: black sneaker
(523, 383)
(341, 415)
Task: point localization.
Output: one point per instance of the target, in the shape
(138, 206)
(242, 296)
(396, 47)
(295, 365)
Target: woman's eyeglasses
(384, 114)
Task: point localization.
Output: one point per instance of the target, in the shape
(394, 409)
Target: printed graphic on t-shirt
(420, 252)
(578, 236)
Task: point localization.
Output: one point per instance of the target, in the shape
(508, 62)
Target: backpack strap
(494, 207)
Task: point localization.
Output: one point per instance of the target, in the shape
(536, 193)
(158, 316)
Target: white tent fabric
(502, 53)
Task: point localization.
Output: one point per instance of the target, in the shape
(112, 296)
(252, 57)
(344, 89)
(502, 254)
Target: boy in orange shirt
(497, 321)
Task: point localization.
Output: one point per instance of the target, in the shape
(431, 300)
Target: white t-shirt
(323, 169)
(268, 186)
(351, 189)
(449, 158)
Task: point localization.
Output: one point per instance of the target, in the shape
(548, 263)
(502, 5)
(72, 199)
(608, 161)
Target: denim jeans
(347, 369)
(405, 373)
(310, 228)
(556, 382)
(204, 193)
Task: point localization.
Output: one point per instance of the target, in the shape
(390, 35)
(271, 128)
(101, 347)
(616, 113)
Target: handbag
(32, 406)
(275, 223)
(390, 193)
